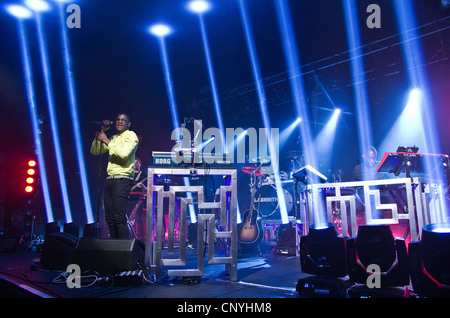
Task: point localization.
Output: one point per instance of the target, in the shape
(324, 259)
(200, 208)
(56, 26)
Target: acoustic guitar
(250, 230)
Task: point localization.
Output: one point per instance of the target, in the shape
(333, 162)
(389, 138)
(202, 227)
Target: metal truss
(383, 60)
(207, 229)
(417, 200)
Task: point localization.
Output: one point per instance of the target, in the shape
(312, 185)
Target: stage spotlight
(203, 144)
(30, 179)
(324, 141)
(287, 132)
(199, 6)
(375, 249)
(408, 128)
(429, 259)
(71, 228)
(441, 228)
(19, 12)
(51, 227)
(241, 136)
(323, 251)
(37, 5)
(323, 254)
(414, 102)
(91, 230)
(160, 30)
(237, 143)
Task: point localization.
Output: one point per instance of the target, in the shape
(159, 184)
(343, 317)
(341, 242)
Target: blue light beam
(234, 139)
(358, 77)
(263, 108)
(413, 56)
(28, 75)
(200, 7)
(52, 114)
(74, 115)
(204, 143)
(287, 132)
(408, 128)
(295, 78)
(161, 31)
(293, 65)
(324, 141)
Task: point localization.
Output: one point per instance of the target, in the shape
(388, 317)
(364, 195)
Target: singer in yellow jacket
(122, 150)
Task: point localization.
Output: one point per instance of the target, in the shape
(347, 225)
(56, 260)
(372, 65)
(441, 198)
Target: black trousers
(115, 200)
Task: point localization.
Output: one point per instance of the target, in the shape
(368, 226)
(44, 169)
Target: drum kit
(266, 196)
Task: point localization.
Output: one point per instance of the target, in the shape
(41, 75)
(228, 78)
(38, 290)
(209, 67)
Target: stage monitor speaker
(109, 256)
(57, 251)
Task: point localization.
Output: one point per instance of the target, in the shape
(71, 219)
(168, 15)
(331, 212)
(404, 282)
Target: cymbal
(261, 171)
(252, 170)
(263, 159)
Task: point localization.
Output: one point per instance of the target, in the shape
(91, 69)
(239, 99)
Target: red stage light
(30, 179)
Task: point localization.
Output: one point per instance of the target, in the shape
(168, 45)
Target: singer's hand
(106, 124)
(101, 136)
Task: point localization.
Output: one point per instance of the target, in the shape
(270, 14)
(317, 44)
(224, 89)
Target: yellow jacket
(122, 149)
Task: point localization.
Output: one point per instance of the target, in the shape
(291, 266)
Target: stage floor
(260, 275)
(266, 284)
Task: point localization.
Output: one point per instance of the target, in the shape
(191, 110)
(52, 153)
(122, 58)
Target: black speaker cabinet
(109, 256)
(57, 251)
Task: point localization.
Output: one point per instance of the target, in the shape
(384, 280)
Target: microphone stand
(97, 222)
(99, 192)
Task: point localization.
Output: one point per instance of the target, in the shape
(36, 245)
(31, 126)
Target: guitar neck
(252, 200)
